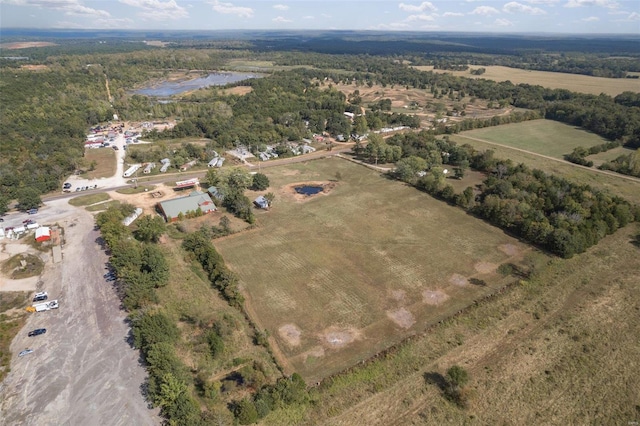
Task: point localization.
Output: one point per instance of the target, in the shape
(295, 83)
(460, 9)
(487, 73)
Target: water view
(170, 88)
(308, 190)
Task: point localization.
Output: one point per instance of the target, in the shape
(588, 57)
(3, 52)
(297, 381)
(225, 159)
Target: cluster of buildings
(42, 233)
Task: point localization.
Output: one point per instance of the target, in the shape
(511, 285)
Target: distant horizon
(568, 17)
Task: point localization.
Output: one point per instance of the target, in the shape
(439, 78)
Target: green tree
(213, 177)
(4, 204)
(407, 168)
(260, 182)
(238, 179)
(215, 342)
(457, 377)
(245, 411)
(149, 228)
(28, 198)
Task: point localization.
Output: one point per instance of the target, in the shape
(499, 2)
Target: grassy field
(553, 80)
(105, 165)
(86, 200)
(544, 137)
(615, 184)
(338, 277)
(560, 348)
(610, 155)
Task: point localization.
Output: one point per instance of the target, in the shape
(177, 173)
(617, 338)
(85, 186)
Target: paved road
(82, 371)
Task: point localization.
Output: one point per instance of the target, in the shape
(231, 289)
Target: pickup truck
(39, 297)
(46, 306)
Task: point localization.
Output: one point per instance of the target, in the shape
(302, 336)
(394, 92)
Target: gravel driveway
(82, 371)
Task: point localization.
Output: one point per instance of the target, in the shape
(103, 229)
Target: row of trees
(551, 212)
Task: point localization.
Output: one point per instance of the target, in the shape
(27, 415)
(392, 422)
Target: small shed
(261, 202)
(213, 162)
(216, 193)
(43, 234)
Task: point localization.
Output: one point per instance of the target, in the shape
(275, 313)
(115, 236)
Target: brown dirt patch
(401, 317)
(290, 189)
(34, 67)
(26, 44)
(290, 333)
(398, 295)
(459, 280)
(434, 297)
(336, 337)
(485, 267)
(509, 249)
(147, 200)
(238, 90)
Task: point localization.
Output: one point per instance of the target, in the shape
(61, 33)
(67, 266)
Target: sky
(522, 16)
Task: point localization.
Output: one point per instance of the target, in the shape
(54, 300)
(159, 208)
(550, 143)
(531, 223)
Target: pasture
(554, 80)
(612, 154)
(545, 137)
(337, 277)
(623, 186)
(103, 161)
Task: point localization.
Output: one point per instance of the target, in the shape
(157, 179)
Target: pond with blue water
(309, 189)
(170, 88)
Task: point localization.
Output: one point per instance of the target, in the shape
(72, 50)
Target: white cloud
(281, 19)
(325, 15)
(452, 14)
(542, 1)
(281, 6)
(633, 16)
(590, 19)
(503, 23)
(425, 5)
(69, 7)
(395, 26)
(308, 17)
(421, 17)
(485, 11)
(515, 7)
(231, 9)
(158, 10)
(602, 3)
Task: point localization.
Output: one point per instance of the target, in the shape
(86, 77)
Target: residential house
(261, 202)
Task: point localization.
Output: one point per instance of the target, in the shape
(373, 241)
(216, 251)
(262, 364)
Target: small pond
(308, 190)
(170, 88)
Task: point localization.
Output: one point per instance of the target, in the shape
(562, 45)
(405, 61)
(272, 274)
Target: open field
(615, 184)
(337, 277)
(422, 103)
(612, 154)
(544, 137)
(559, 349)
(553, 80)
(105, 164)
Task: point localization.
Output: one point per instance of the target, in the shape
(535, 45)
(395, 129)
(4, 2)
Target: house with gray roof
(171, 209)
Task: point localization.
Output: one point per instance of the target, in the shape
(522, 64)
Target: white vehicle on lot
(46, 306)
(43, 295)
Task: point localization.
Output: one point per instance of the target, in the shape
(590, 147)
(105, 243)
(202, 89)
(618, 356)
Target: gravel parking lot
(82, 371)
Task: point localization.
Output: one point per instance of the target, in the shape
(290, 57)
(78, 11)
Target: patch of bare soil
(434, 297)
(290, 189)
(509, 249)
(485, 267)
(401, 317)
(26, 44)
(290, 333)
(459, 280)
(238, 90)
(147, 200)
(34, 67)
(316, 352)
(336, 338)
(399, 295)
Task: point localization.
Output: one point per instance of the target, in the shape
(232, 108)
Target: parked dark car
(32, 211)
(37, 332)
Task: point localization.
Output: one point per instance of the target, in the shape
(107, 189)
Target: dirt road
(82, 371)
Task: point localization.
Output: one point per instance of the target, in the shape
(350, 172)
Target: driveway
(82, 371)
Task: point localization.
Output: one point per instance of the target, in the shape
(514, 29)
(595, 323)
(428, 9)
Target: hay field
(337, 277)
(617, 184)
(612, 154)
(553, 80)
(545, 137)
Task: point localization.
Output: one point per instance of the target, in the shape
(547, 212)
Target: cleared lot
(339, 276)
(82, 371)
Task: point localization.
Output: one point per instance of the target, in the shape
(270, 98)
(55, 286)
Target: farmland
(554, 80)
(543, 137)
(338, 277)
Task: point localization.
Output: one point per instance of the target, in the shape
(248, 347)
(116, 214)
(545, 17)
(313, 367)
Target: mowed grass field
(612, 154)
(544, 137)
(626, 187)
(553, 80)
(337, 277)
